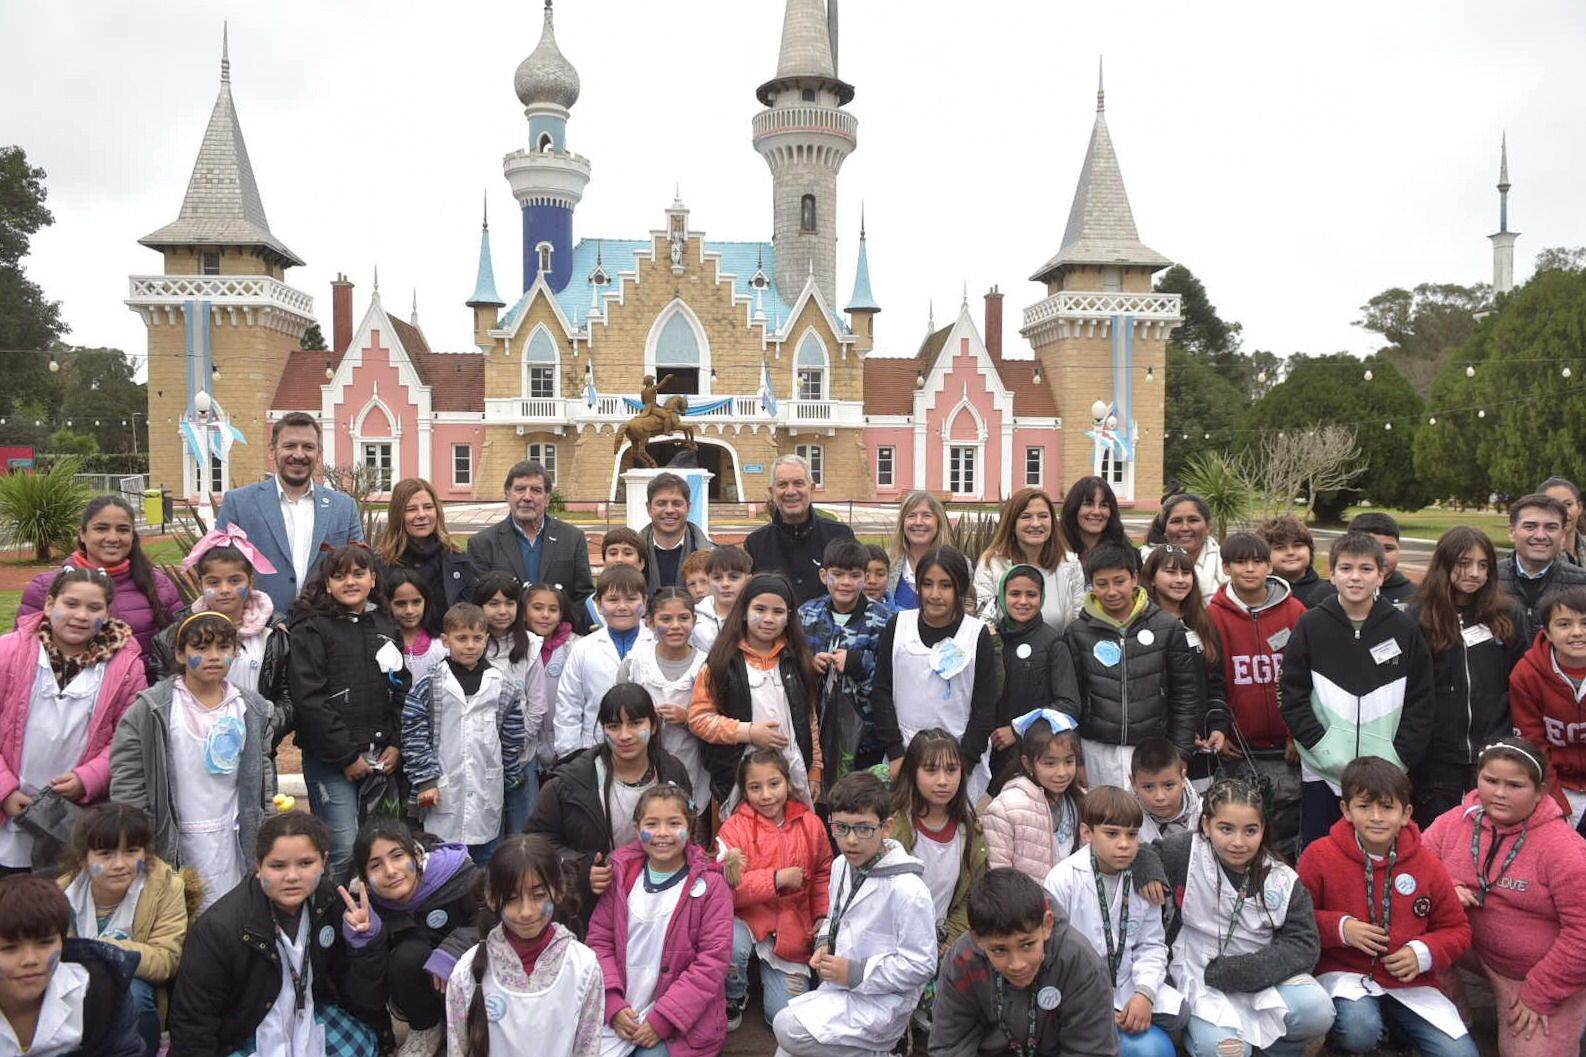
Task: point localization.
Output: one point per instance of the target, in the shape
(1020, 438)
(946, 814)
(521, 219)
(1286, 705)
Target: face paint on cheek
(96, 869)
(209, 592)
(242, 594)
(547, 910)
(54, 960)
(193, 661)
(646, 836)
(99, 624)
(264, 884)
(644, 736)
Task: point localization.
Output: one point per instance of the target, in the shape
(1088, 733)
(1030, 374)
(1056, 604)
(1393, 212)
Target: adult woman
(415, 537)
(145, 600)
(922, 527)
(1090, 516)
(1027, 535)
(1187, 523)
(1564, 490)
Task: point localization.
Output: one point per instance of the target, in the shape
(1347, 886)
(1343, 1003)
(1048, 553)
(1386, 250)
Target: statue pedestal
(635, 483)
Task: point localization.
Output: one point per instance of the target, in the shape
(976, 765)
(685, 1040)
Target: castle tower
(805, 136)
(485, 302)
(547, 179)
(1503, 238)
(1101, 333)
(862, 308)
(220, 318)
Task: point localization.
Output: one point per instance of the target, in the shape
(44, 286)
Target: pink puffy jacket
(1018, 829)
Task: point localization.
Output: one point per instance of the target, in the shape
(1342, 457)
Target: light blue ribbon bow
(1060, 721)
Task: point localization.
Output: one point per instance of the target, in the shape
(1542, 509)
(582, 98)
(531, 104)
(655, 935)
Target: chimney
(994, 324)
(340, 314)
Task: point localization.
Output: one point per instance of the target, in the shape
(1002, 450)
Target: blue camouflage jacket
(859, 637)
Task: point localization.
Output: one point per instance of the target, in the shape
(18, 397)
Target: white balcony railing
(226, 290)
(1084, 305)
(804, 119)
(614, 408)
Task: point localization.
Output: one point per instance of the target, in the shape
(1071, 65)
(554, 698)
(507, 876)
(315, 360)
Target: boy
(729, 569)
(876, 948)
(1357, 681)
(619, 546)
(1293, 555)
(591, 667)
(1137, 672)
(842, 628)
(1255, 613)
(1389, 919)
(1545, 694)
(1396, 587)
(1161, 783)
(1095, 886)
(446, 749)
(1021, 971)
(695, 579)
(877, 569)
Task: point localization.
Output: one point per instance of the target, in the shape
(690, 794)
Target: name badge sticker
(1385, 651)
(1193, 639)
(1278, 639)
(1475, 636)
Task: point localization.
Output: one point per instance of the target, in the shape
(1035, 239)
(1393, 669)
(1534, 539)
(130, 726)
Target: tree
(43, 508)
(1424, 326)
(313, 339)
(28, 320)
(71, 442)
(1219, 479)
(1562, 259)
(1286, 465)
(100, 395)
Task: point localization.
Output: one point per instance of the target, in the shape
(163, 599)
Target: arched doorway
(714, 455)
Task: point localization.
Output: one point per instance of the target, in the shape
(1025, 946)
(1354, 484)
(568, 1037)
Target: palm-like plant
(1222, 481)
(43, 508)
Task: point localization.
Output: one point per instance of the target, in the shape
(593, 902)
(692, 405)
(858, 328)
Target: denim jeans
(145, 1001)
(658, 1050)
(776, 987)
(1318, 811)
(1310, 1014)
(1362, 1022)
(518, 804)
(335, 801)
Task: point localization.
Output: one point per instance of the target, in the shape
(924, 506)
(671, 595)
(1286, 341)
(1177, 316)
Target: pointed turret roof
(485, 281)
(1100, 223)
(863, 300)
(222, 207)
(808, 52)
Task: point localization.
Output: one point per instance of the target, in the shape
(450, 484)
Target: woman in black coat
(414, 537)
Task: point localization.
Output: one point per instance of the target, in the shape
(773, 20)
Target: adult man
(1536, 528)
(288, 516)
(793, 543)
(532, 546)
(670, 536)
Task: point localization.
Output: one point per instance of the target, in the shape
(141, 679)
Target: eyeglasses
(862, 830)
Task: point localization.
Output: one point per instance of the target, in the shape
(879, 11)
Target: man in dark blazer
(288, 516)
(533, 546)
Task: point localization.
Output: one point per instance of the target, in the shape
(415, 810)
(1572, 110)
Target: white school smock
(1143, 967)
(543, 1021)
(1209, 899)
(60, 1025)
(649, 914)
(53, 742)
(768, 704)
(468, 750)
(285, 1031)
(676, 738)
(944, 862)
(590, 671)
(205, 804)
(244, 671)
(923, 699)
(85, 915)
(707, 625)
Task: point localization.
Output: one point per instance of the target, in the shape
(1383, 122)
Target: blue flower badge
(948, 658)
(223, 747)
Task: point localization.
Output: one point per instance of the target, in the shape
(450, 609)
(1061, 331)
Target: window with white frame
(217, 476)
(816, 457)
(1034, 467)
(377, 460)
(462, 465)
(211, 262)
(545, 455)
(886, 466)
(539, 366)
(962, 469)
(810, 366)
(678, 353)
(544, 250)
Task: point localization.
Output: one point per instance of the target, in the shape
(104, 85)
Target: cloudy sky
(1299, 159)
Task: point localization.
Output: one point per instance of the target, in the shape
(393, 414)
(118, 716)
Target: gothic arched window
(807, 213)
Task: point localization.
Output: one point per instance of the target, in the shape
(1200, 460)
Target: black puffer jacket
(344, 703)
(1152, 687)
(1529, 592)
(722, 760)
(1470, 691)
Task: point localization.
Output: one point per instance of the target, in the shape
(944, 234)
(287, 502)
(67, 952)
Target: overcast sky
(1298, 158)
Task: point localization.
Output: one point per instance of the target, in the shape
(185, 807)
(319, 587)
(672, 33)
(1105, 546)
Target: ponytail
(476, 1030)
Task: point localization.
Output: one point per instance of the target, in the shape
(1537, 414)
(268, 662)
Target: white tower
(1503, 238)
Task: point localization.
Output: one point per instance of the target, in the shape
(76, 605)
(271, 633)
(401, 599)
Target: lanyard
(1239, 904)
(1114, 952)
(1387, 889)
(302, 970)
(1027, 1047)
(855, 879)
(1485, 884)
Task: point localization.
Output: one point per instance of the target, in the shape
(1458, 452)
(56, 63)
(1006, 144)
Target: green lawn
(1432, 522)
(9, 600)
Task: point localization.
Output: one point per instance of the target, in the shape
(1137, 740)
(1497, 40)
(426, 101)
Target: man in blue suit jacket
(288, 516)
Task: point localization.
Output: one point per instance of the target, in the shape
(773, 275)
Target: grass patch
(1432, 522)
(9, 601)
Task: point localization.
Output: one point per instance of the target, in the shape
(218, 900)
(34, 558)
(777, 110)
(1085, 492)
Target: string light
(1470, 370)
(1387, 426)
(1150, 375)
(1368, 374)
(1565, 372)
(1432, 421)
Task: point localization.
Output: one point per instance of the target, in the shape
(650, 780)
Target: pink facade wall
(446, 434)
(901, 440)
(1051, 441)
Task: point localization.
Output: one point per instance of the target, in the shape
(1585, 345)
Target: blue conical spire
(485, 282)
(862, 300)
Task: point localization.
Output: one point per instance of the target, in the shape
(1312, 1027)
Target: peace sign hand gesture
(358, 916)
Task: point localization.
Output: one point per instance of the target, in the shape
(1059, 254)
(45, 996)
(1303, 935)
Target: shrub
(43, 508)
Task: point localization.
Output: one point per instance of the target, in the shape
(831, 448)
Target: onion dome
(546, 76)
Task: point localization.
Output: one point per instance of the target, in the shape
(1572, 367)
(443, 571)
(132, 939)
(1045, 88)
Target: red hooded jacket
(1252, 663)
(1547, 712)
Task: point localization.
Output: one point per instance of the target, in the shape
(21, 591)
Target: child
(1168, 577)
(1357, 681)
(1136, 669)
(410, 602)
(1021, 981)
(529, 985)
(1293, 555)
(878, 949)
(1516, 867)
(67, 676)
(1545, 694)
(1382, 941)
(1243, 934)
(619, 546)
(877, 568)
(192, 751)
(696, 575)
(348, 682)
(1037, 668)
(1161, 783)
(265, 969)
(936, 666)
(462, 739)
(663, 934)
(592, 664)
(409, 924)
(782, 885)
(844, 628)
(60, 995)
(757, 689)
(933, 821)
(1255, 614)
(1396, 587)
(1033, 824)
(512, 651)
(1095, 885)
(123, 894)
(587, 812)
(666, 664)
(729, 569)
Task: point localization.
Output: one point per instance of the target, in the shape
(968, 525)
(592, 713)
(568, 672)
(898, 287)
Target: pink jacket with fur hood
(690, 1014)
(1018, 829)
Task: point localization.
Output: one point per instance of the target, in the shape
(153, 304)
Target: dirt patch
(288, 757)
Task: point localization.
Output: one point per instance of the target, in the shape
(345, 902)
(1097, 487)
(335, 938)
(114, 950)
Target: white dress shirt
(298, 514)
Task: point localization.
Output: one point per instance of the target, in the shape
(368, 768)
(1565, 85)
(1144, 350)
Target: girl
(1090, 516)
(266, 967)
(415, 539)
(1243, 936)
(348, 682)
(758, 689)
(411, 922)
(547, 610)
(511, 651)
(1037, 667)
(922, 527)
(934, 821)
(410, 608)
(529, 985)
(1473, 630)
(192, 752)
(145, 598)
(937, 667)
(587, 811)
(1516, 866)
(663, 934)
(1033, 824)
(1169, 580)
(666, 665)
(124, 894)
(781, 891)
(67, 676)
(1027, 534)
(1187, 523)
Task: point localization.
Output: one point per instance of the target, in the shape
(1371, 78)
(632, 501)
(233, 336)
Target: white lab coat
(1143, 966)
(590, 671)
(468, 750)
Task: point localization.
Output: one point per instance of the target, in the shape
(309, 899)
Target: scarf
(257, 610)
(113, 635)
(80, 560)
(554, 641)
(1021, 571)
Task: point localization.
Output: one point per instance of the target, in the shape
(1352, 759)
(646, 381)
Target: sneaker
(735, 1013)
(425, 1043)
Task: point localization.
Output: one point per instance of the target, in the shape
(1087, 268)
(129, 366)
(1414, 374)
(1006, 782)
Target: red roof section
(456, 380)
(889, 386)
(1030, 399)
(298, 389)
